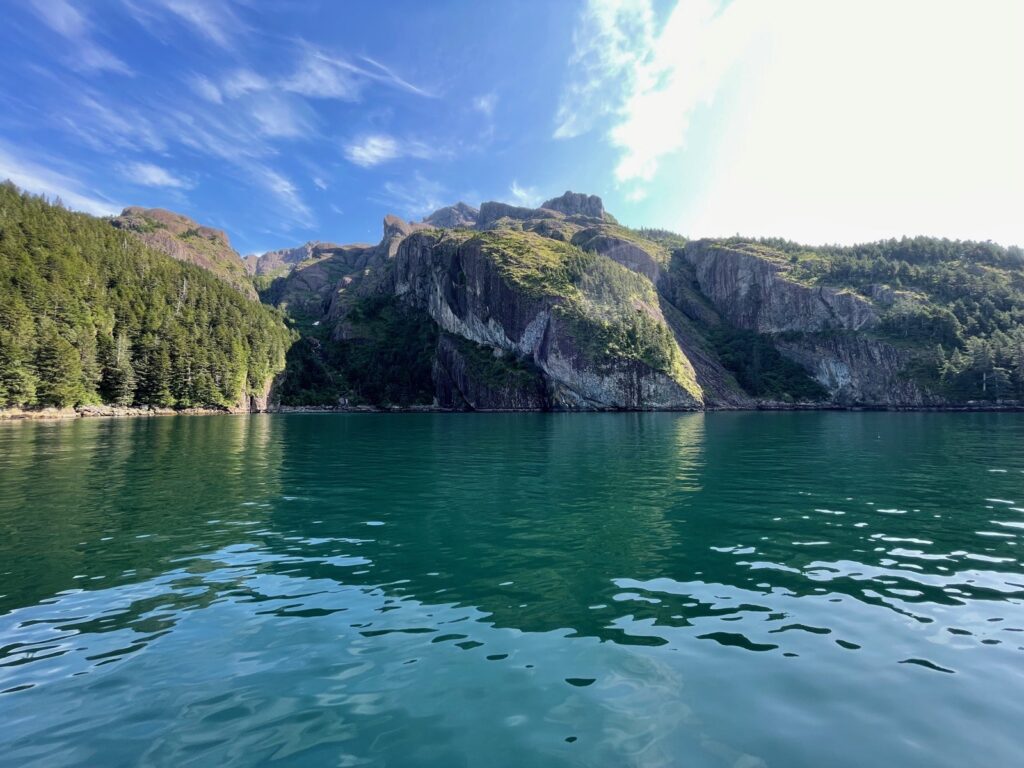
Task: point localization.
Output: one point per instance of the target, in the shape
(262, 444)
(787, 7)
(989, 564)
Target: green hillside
(89, 314)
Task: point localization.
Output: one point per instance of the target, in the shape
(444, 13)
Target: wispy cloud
(207, 89)
(44, 181)
(152, 175)
(413, 199)
(244, 81)
(68, 22)
(107, 127)
(279, 117)
(374, 149)
(319, 183)
(213, 19)
(284, 191)
(321, 77)
(525, 196)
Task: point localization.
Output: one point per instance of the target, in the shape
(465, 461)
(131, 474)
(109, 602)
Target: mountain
(560, 307)
(91, 314)
(183, 239)
(498, 308)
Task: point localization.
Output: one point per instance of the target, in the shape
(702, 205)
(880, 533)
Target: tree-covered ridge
(89, 314)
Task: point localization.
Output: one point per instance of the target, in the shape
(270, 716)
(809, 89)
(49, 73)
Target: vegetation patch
(761, 369)
(389, 362)
(612, 311)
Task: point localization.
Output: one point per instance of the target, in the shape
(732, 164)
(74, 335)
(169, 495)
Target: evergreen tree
(58, 371)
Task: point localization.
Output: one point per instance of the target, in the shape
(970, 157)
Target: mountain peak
(453, 216)
(577, 204)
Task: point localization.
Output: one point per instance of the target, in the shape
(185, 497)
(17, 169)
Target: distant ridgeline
(498, 308)
(91, 314)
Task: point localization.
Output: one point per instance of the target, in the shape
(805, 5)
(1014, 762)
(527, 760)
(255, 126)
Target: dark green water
(840, 589)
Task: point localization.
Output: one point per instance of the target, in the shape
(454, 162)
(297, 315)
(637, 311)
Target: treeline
(983, 369)
(89, 314)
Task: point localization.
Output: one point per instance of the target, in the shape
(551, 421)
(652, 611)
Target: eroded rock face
(183, 239)
(492, 212)
(754, 293)
(465, 382)
(455, 216)
(857, 369)
(628, 254)
(282, 260)
(577, 204)
(463, 291)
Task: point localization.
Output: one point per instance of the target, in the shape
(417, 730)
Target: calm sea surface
(741, 590)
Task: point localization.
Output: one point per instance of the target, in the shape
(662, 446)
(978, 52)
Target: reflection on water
(630, 589)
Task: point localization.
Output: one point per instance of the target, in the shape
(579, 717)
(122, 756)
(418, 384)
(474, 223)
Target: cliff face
(478, 378)
(825, 330)
(461, 285)
(752, 292)
(183, 239)
(858, 370)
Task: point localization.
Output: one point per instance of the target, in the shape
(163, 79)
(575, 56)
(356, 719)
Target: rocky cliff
(560, 307)
(599, 338)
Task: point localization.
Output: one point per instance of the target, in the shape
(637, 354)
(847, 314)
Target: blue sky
(284, 121)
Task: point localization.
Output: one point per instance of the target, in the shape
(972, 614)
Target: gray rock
(577, 204)
(453, 216)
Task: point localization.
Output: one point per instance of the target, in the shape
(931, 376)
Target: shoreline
(116, 412)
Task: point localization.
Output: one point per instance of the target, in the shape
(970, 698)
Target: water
(741, 590)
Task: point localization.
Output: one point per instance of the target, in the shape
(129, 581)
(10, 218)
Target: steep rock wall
(464, 292)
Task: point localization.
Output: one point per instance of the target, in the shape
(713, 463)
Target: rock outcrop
(858, 370)
(753, 292)
(279, 262)
(491, 213)
(577, 204)
(468, 376)
(458, 216)
(459, 283)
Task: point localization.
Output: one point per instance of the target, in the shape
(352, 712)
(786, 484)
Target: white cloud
(374, 149)
(650, 80)
(151, 175)
(43, 181)
(68, 21)
(278, 117)
(206, 88)
(612, 41)
(485, 104)
(319, 183)
(524, 196)
(834, 121)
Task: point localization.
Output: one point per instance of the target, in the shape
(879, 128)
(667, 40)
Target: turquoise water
(744, 589)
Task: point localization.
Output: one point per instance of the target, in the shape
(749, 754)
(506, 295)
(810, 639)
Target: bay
(720, 589)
